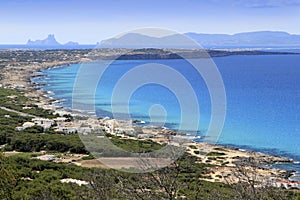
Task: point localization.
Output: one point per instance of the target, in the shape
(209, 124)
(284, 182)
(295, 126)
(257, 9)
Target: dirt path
(18, 112)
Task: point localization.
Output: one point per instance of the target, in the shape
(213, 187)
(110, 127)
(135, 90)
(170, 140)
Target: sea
(262, 98)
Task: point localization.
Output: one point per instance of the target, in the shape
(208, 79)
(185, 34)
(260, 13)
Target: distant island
(258, 39)
(49, 41)
(248, 39)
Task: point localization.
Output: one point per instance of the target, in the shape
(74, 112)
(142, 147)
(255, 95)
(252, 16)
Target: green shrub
(214, 153)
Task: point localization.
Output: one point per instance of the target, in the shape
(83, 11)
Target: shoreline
(273, 158)
(34, 90)
(48, 94)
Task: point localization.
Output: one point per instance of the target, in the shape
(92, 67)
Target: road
(18, 112)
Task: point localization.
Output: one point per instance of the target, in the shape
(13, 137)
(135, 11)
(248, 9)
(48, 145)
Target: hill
(49, 41)
(247, 39)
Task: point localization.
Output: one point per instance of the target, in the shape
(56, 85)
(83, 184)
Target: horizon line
(96, 43)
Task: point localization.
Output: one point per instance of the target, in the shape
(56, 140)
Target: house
(78, 182)
(46, 158)
(26, 107)
(25, 125)
(124, 131)
(60, 119)
(287, 185)
(45, 123)
(110, 126)
(19, 86)
(67, 130)
(84, 130)
(144, 136)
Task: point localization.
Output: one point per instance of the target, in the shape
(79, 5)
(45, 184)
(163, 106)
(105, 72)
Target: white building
(45, 123)
(78, 182)
(84, 130)
(287, 185)
(60, 119)
(25, 125)
(67, 130)
(46, 158)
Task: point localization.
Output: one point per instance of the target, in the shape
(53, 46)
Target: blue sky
(90, 21)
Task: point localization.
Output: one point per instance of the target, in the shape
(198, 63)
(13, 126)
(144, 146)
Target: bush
(197, 152)
(214, 153)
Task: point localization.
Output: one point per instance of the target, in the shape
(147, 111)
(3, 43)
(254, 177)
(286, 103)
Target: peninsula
(41, 119)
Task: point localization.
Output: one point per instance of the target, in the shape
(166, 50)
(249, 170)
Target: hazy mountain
(71, 43)
(261, 38)
(49, 41)
(135, 40)
(249, 39)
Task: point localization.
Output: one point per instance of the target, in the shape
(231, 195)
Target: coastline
(22, 79)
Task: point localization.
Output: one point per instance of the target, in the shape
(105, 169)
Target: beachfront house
(67, 130)
(84, 130)
(45, 123)
(110, 126)
(144, 136)
(124, 131)
(60, 119)
(49, 158)
(24, 126)
(287, 185)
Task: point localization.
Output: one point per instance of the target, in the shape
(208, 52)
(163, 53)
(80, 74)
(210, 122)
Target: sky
(90, 21)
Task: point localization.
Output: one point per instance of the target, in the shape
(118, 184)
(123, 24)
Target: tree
(103, 185)
(7, 179)
(247, 185)
(167, 183)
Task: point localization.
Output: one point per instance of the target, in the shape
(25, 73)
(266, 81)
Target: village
(224, 158)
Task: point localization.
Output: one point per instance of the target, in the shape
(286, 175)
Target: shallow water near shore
(263, 99)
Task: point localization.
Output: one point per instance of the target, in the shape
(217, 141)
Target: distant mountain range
(135, 40)
(49, 41)
(249, 39)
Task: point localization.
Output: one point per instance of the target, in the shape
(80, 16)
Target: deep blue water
(263, 98)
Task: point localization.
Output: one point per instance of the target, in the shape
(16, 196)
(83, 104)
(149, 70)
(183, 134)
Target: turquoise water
(263, 98)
